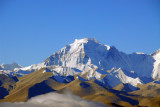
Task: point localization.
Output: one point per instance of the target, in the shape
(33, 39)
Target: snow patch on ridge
(116, 77)
(140, 53)
(156, 70)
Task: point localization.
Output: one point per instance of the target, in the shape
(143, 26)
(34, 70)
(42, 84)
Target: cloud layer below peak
(54, 100)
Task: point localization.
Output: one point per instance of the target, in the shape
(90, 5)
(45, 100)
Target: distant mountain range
(83, 66)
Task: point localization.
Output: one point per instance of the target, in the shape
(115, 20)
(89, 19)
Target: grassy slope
(7, 82)
(149, 94)
(6, 85)
(87, 90)
(20, 92)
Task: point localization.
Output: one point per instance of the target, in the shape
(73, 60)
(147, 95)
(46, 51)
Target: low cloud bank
(54, 100)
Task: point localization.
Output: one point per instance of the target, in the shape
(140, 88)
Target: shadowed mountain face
(3, 92)
(90, 70)
(39, 89)
(6, 85)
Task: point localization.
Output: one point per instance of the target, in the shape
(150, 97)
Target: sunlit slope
(40, 82)
(20, 92)
(6, 84)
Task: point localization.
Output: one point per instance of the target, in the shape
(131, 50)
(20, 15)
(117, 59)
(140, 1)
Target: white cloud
(54, 100)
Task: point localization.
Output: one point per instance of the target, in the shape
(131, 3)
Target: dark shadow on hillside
(116, 105)
(71, 78)
(77, 70)
(121, 94)
(129, 88)
(63, 79)
(39, 89)
(15, 78)
(84, 85)
(0, 83)
(3, 92)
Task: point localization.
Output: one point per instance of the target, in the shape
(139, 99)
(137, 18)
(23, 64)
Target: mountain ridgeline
(90, 57)
(90, 64)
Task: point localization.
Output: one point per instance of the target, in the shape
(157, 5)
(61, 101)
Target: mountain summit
(90, 59)
(85, 40)
(10, 66)
(90, 70)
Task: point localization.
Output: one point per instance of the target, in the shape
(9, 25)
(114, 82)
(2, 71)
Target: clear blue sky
(31, 30)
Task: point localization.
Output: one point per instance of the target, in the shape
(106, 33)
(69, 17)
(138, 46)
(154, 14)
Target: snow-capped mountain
(9, 68)
(88, 55)
(90, 59)
(29, 69)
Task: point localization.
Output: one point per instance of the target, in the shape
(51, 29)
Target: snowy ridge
(156, 70)
(140, 53)
(90, 59)
(9, 68)
(29, 69)
(116, 77)
(88, 55)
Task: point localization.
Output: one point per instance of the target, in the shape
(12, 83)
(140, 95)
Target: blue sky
(31, 30)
